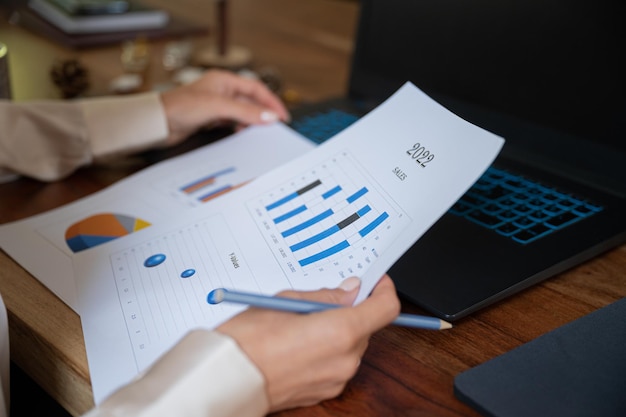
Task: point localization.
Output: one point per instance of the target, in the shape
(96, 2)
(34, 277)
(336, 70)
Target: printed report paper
(152, 195)
(351, 206)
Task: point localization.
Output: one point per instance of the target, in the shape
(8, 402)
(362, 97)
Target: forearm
(204, 375)
(48, 140)
(122, 125)
(45, 140)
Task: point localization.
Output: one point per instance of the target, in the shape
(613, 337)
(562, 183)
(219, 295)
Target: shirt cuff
(205, 374)
(124, 124)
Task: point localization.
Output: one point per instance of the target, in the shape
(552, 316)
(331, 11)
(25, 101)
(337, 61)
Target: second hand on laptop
(219, 295)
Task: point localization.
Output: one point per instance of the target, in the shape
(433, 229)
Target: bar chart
(330, 219)
(196, 186)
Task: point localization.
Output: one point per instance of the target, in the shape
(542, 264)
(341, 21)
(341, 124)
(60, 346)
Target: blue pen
(219, 295)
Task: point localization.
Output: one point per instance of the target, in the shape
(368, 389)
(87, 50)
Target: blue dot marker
(187, 273)
(154, 260)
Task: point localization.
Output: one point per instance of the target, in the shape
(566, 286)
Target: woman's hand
(307, 358)
(216, 97)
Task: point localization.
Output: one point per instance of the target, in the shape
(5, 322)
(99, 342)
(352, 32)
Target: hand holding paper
(350, 207)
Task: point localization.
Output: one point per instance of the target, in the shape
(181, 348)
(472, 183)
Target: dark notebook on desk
(575, 370)
(543, 74)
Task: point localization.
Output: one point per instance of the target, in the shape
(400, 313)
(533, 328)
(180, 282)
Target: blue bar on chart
(308, 223)
(316, 219)
(293, 195)
(330, 218)
(331, 230)
(341, 245)
(204, 181)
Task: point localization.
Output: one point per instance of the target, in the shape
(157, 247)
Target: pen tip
(216, 296)
(445, 325)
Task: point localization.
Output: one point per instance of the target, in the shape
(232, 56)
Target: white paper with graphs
(351, 206)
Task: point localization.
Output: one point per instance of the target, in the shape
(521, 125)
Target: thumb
(348, 290)
(344, 294)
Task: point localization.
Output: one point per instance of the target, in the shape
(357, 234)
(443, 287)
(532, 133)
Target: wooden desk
(405, 372)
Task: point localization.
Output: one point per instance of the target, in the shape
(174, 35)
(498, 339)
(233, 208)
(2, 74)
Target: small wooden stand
(223, 55)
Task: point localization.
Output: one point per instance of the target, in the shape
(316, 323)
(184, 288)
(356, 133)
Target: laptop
(545, 75)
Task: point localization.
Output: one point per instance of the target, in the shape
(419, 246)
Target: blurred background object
(5, 80)
(71, 77)
(222, 53)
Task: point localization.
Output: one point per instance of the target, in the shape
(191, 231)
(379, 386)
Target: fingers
(257, 92)
(380, 308)
(232, 86)
(217, 97)
(324, 349)
(364, 319)
(374, 313)
(345, 294)
(243, 111)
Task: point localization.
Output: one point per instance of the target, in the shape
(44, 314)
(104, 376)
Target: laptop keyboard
(322, 125)
(519, 208)
(507, 203)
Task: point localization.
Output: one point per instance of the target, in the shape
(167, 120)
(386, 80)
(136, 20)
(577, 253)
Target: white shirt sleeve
(49, 140)
(121, 125)
(205, 375)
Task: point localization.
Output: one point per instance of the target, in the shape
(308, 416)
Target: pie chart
(101, 228)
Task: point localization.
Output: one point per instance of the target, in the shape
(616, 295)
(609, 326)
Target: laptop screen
(556, 63)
